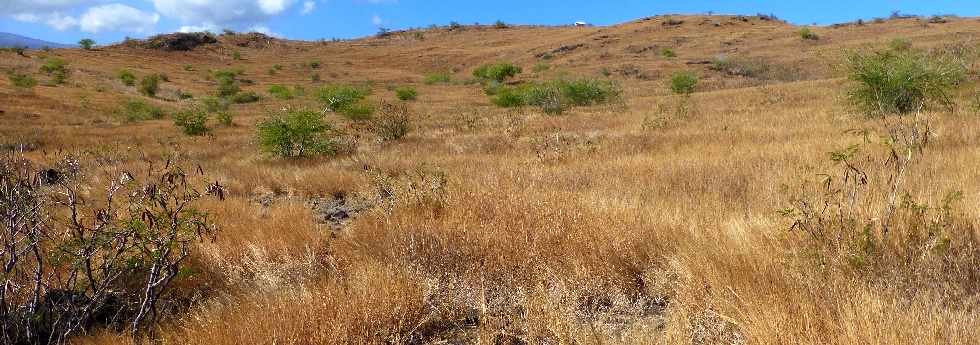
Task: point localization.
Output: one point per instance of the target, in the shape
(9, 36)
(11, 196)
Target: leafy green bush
(807, 34)
(668, 53)
(358, 111)
(497, 71)
(23, 81)
(340, 97)
(136, 110)
(192, 121)
(315, 64)
(683, 82)
(150, 85)
(437, 78)
(225, 118)
(245, 97)
(901, 81)
(553, 96)
(127, 77)
(86, 43)
(406, 93)
(297, 133)
(215, 104)
(57, 69)
(228, 85)
(280, 92)
(236, 55)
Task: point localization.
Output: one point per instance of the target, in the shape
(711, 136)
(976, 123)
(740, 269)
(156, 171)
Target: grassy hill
(656, 218)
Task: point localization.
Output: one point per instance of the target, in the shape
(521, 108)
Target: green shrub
(358, 111)
(807, 34)
(236, 55)
(668, 53)
(393, 122)
(22, 81)
(86, 43)
(683, 82)
(150, 85)
(127, 77)
(280, 92)
(406, 93)
(554, 96)
(57, 69)
(497, 71)
(189, 68)
(315, 64)
(225, 118)
(901, 81)
(215, 104)
(585, 92)
(245, 97)
(137, 110)
(437, 78)
(192, 121)
(339, 97)
(227, 85)
(297, 133)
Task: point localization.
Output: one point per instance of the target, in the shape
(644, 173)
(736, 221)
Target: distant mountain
(8, 40)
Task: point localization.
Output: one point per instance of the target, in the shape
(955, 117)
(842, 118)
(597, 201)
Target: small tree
(297, 133)
(127, 77)
(683, 82)
(193, 121)
(86, 43)
(57, 69)
(150, 85)
(498, 72)
(901, 81)
(406, 93)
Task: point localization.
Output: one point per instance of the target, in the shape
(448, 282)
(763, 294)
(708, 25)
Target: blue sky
(67, 21)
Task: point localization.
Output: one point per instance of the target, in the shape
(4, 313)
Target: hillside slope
(661, 219)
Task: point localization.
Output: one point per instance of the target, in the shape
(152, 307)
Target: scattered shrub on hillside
(683, 82)
(215, 104)
(554, 96)
(150, 85)
(901, 81)
(189, 68)
(497, 71)
(339, 98)
(500, 25)
(358, 111)
(753, 67)
(86, 43)
(182, 95)
(455, 26)
(236, 55)
(127, 77)
(393, 122)
(668, 53)
(807, 34)
(297, 133)
(225, 118)
(192, 121)
(437, 78)
(280, 92)
(406, 93)
(21, 80)
(227, 84)
(315, 64)
(57, 69)
(137, 110)
(245, 97)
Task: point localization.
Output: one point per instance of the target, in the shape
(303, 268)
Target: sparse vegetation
(280, 92)
(901, 81)
(127, 77)
(236, 55)
(246, 97)
(553, 97)
(498, 72)
(346, 100)
(807, 34)
(150, 85)
(500, 25)
(192, 121)
(21, 80)
(683, 82)
(437, 78)
(406, 93)
(297, 133)
(135, 110)
(668, 52)
(57, 69)
(540, 67)
(393, 122)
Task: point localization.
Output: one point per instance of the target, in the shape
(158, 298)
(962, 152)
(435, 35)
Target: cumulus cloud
(225, 13)
(117, 17)
(308, 7)
(376, 20)
(55, 20)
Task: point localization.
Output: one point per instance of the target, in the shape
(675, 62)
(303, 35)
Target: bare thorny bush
(78, 255)
(865, 218)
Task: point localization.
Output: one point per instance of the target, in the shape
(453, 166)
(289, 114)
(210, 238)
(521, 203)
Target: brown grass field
(631, 223)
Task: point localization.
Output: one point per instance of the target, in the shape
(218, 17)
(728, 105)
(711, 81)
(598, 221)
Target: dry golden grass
(588, 228)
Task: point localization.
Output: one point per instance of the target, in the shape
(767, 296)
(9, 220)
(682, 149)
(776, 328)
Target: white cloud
(56, 20)
(117, 17)
(308, 7)
(39, 7)
(264, 30)
(222, 13)
(376, 20)
(200, 28)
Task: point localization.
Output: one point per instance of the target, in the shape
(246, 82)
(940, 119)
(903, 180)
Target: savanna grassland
(762, 208)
